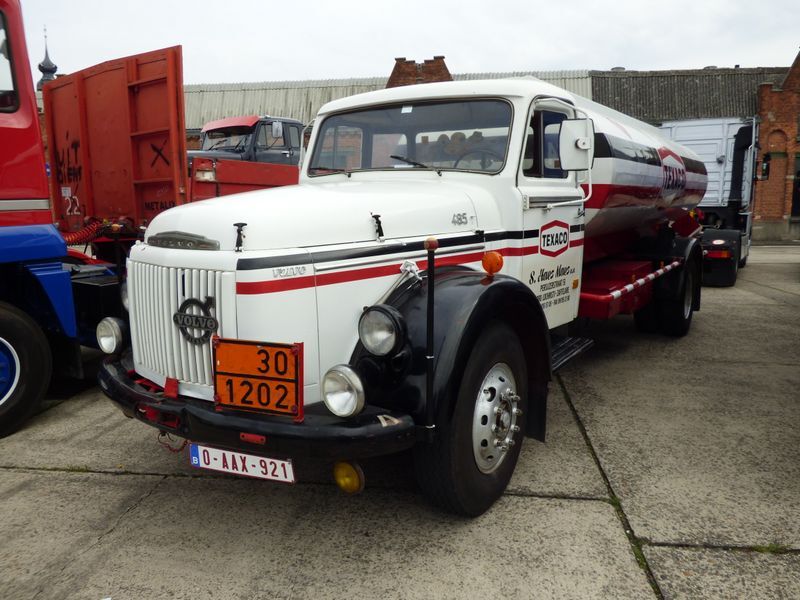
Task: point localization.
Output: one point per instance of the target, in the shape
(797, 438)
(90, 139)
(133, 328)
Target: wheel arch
(466, 302)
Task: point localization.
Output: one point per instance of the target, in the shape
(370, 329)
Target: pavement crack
(773, 548)
(635, 542)
(136, 503)
(524, 494)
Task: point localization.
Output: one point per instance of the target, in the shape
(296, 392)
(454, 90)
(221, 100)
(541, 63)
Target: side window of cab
(540, 158)
(8, 94)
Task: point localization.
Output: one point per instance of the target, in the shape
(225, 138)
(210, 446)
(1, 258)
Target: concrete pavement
(671, 470)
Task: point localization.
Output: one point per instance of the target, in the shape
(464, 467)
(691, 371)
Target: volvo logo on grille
(195, 321)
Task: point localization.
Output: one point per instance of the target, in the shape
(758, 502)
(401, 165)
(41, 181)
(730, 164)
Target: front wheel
(471, 460)
(25, 367)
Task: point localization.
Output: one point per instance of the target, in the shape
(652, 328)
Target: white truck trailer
(413, 291)
(727, 148)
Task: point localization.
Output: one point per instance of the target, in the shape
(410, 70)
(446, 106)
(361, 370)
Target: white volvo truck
(413, 291)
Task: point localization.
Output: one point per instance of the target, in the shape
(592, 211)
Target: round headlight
(123, 294)
(381, 330)
(110, 335)
(342, 391)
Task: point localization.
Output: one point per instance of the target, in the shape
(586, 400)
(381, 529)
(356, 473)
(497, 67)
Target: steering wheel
(484, 155)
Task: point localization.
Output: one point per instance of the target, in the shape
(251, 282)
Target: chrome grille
(155, 294)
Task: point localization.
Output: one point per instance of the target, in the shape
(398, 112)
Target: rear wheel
(25, 367)
(676, 313)
(646, 319)
(471, 460)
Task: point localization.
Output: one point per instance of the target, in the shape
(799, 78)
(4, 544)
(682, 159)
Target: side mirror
(277, 130)
(576, 144)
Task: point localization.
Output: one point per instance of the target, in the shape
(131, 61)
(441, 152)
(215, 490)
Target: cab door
(553, 215)
(271, 148)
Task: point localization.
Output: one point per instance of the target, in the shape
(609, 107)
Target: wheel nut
(514, 428)
(517, 412)
(498, 410)
(509, 442)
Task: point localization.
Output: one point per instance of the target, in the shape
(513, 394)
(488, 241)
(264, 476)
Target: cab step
(564, 349)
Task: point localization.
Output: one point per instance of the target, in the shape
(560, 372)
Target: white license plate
(238, 463)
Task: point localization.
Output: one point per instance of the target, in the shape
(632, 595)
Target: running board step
(564, 349)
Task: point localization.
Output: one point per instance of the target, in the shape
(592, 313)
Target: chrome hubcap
(687, 295)
(494, 420)
(9, 370)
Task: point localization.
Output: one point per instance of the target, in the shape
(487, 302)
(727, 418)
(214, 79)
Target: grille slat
(156, 294)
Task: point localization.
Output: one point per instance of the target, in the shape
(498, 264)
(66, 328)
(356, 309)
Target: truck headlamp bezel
(123, 295)
(382, 330)
(111, 334)
(342, 391)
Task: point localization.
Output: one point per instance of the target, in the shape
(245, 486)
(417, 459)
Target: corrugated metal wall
(296, 99)
(302, 99)
(653, 96)
(657, 96)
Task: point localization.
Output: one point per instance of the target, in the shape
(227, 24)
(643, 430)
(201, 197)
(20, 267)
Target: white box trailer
(727, 147)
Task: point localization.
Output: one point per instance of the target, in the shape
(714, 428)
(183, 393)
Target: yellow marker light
(349, 477)
(492, 262)
(575, 283)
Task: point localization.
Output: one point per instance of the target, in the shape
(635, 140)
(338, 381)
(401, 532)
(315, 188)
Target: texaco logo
(195, 321)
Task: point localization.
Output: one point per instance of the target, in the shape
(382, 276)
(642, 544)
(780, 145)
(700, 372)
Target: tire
(675, 314)
(463, 471)
(25, 367)
(742, 262)
(646, 319)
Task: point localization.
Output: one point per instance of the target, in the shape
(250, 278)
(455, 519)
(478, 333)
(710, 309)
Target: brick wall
(779, 141)
(408, 72)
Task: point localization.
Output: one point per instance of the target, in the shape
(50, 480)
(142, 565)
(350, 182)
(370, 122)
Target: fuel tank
(639, 178)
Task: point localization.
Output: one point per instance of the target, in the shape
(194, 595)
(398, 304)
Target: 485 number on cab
(259, 377)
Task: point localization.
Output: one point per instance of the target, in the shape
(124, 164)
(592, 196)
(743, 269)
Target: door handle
(287, 152)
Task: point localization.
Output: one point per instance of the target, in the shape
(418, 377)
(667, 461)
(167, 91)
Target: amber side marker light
(492, 262)
(349, 477)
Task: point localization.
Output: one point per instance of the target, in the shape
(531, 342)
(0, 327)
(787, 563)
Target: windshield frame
(310, 168)
(240, 145)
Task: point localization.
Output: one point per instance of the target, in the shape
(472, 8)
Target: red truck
(117, 147)
(118, 158)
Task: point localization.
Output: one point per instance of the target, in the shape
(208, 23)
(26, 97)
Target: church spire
(46, 67)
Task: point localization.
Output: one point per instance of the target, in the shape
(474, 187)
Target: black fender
(690, 251)
(465, 301)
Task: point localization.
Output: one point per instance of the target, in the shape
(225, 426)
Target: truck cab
(252, 138)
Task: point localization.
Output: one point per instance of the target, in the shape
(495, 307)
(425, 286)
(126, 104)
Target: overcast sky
(252, 40)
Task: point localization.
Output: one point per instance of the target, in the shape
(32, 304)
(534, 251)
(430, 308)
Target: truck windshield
(232, 138)
(463, 135)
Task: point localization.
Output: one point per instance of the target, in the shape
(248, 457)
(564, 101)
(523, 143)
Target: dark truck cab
(251, 138)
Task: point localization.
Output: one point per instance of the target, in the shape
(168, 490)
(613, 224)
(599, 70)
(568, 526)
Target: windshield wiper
(215, 144)
(331, 170)
(414, 163)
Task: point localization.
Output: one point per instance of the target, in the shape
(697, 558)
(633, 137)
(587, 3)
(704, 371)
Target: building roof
(657, 96)
(302, 99)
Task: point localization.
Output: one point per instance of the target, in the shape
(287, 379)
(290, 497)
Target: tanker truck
(414, 292)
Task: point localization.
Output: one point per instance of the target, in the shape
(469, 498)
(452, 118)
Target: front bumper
(321, 435)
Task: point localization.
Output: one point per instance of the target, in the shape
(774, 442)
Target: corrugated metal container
(657, 96)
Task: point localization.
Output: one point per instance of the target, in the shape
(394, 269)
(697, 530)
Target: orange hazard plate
(259, 377)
